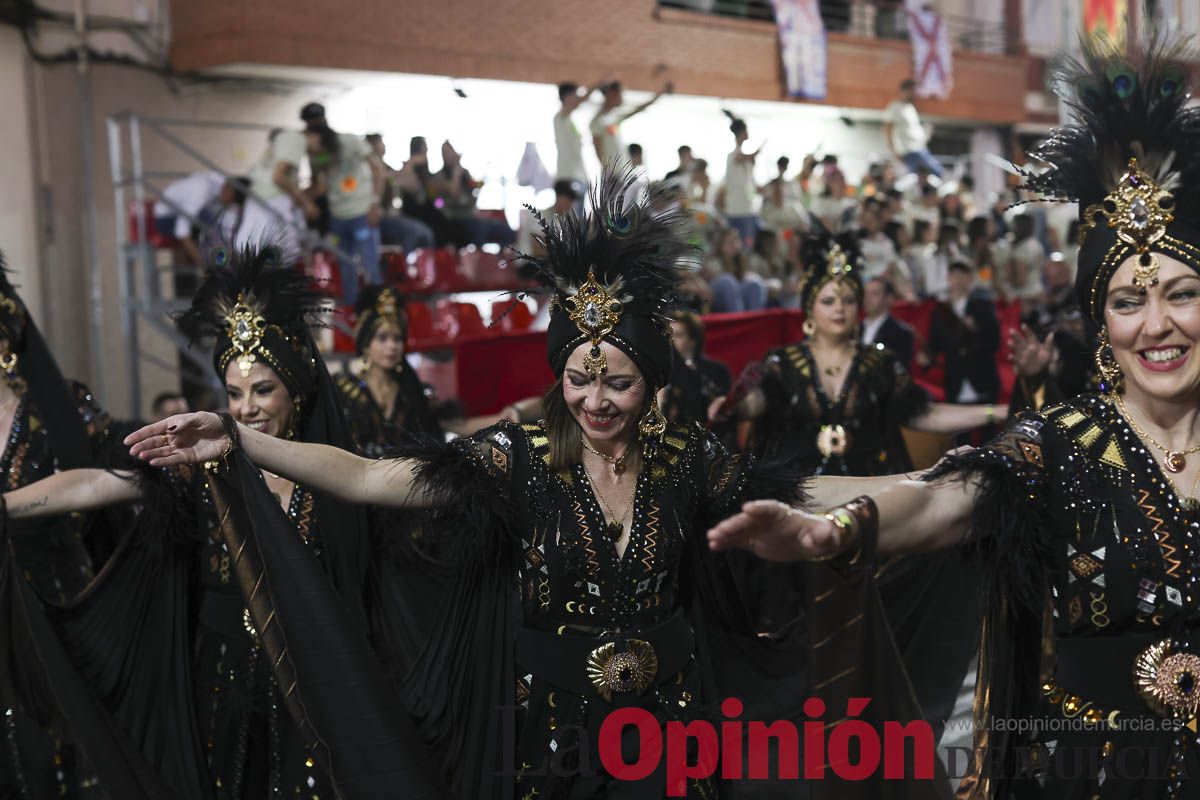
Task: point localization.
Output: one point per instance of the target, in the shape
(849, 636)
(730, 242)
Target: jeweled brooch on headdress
(595, 311)
(1139, 210)
(245, 326)
(836, 262)
(387, 307)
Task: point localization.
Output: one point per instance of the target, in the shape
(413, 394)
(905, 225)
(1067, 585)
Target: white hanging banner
(932, 65)
(802, 47)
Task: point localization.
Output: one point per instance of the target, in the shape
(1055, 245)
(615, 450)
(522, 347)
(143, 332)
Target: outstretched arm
(913, 517)
(200, 437)
(953, 418)
(72, 490)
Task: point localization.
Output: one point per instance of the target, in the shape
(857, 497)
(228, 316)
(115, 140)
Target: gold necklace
(614, 530)
(618, 462)
(1176, 460)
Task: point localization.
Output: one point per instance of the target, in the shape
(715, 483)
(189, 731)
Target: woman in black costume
(161, 637)
(594, 513)
(1085, 513)
(831, 397)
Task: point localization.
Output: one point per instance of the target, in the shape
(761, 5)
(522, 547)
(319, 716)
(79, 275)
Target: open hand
(182, 439)
(775, 531)
(1030, 355)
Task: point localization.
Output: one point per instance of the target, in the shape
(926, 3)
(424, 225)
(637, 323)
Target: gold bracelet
(847, 527)
(991, 414)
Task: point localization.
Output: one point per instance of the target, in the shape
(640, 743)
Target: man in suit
(879, 327)
(966, 331)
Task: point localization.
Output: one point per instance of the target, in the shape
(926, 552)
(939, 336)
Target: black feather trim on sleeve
(466, 483)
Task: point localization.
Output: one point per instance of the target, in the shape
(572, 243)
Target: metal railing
(142, 302)
(871, 20)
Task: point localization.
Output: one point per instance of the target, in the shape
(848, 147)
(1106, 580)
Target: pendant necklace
(618, 462)
(614, 530)
(1175, 460)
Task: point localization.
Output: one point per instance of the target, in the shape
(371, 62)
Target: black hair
(961, 266)
(373, 138)
(240, 185)
(330, 142)
(929, 190)
(1022, 226)
(562, 187)
(782, 162)
(888, 289)
(907, 84)
(567, 89)
(683, 148)
(634, 149)
(977, 227)
(737, 126)
(163, 398)
(416, 144)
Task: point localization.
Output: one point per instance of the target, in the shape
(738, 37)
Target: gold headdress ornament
(386, 305)
(245, 326)
(836, 263)
(595, 310)
(1139, 211)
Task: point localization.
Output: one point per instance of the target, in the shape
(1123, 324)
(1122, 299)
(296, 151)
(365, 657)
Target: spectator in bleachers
(697, 382)
(567, 140)
(565, 197)
(904, 132)
(724, 270)
(167, 404)
(781, 207)
(204, 200)
(419, 199)
(458, 192)
(682, 174)
(606, 125)
(701, 182)
(396, 229)
(277, 205)
(350, 175)
(919, 256)
(928, 207)
(876, 248)
(739, 188)
(965, 330)
(1071, 248)
(833, 205)
(880, 327)
(988, 255)
(1026, 258)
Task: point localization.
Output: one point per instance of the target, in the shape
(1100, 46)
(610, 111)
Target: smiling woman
(1084, 516)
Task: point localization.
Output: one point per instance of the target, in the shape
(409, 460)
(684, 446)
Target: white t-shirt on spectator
(569, 143)
(877, 253)
(606, 126)
(1032, 255)
(739, 186)
(349, 180)
(185, 198)
(908, 136)
(288, 147)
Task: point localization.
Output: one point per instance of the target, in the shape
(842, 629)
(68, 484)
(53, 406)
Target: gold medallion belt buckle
(620, 672)
(832, 440)
(1169, 682)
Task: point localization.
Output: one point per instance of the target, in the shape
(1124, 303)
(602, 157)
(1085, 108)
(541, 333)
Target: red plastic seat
(511, 315)
(395, 267)
(420, 324)
(154, 238)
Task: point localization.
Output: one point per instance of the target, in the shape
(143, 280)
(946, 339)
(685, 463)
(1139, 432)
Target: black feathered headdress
(258, 311)
(614, 273)
(828, 257)
(1132, 161)
(377, 305)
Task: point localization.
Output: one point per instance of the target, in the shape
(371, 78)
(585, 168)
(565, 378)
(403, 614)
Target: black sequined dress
(1085, 540)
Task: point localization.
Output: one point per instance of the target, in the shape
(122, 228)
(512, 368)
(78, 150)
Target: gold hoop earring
(651, 427)
(292, 428)
(8, 363)
(809, 327)
(1111, 377)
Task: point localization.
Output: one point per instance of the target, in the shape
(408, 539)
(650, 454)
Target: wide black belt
(1135, 672)
(608, 667)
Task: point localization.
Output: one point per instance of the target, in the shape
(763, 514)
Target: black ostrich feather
(264, 279)
(635, 241)
(1129, 105)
